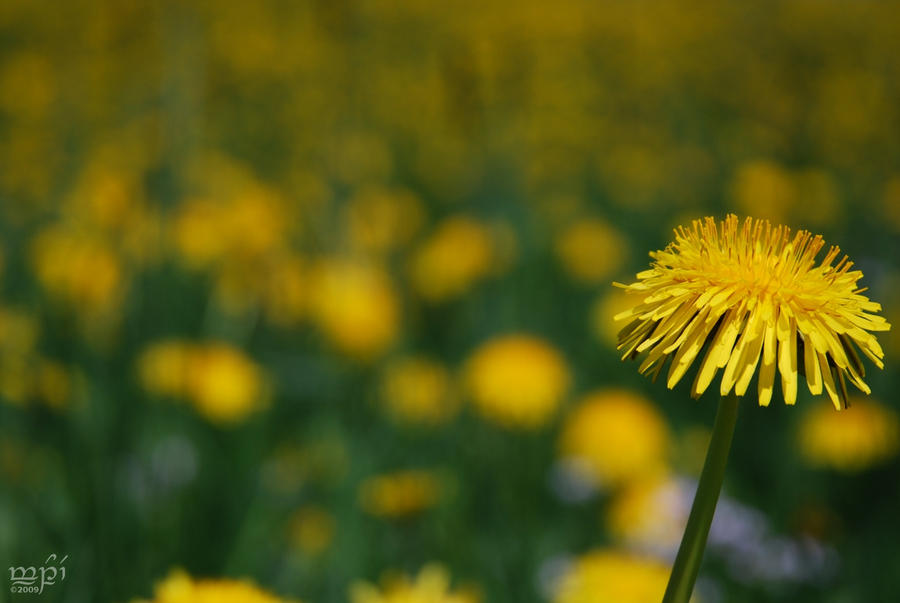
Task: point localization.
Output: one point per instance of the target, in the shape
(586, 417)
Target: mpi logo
(32, 580)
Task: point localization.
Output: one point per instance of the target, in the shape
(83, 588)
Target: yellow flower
(718, 281)
(590, 250)
(224, 384)
(618, 434)
(432, 585)
(399, 494)
(517, 380)
(162, 367)
(608, 576)
(354, 305)
(866, 434)
(459, 253)
(645, 514)
(179, 587)
(79, 269)
(220, 381)
(311, 529)
(379, 220)
(418, 390)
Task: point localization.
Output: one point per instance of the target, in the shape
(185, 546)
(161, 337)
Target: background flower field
(315, 297)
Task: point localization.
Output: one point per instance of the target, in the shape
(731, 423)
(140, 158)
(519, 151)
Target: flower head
(866, 435)
(432, 585)
(517, 380)
(755, 293)
(181, 588)
(609, 575)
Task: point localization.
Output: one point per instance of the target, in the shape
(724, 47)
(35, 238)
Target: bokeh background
(317, 295)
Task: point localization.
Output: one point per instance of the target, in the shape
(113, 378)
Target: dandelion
(179, 587)
(355, 306)
(517, 381)
(432, 585)
(418, 390)
(868, 433)
(612, 576)
(311, 530)
(619, 435)
(590, 250)
(399, 494)
(720, 281)
(752, 295)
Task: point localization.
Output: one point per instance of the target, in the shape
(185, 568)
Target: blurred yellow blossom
(219, 380)
(458, 254)
(609, 576)
(179, 587)
(865, 434)
(517, 380)
(379, 220)
(763, 189)
(648, 514)
(311, 529)
(591, 250)
(354, 305)
(432, 585)
(399, 494)
(619, 434)
(417, 389)
(79, 269)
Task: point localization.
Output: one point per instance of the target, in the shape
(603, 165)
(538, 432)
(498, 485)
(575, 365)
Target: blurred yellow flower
(591, 250)
(418, 390)
(179, 587)
(517, 381)
(197, 233)
(619, 434)
(399, 494)
(763, 188)
(219, 380)
(311, 529)
(354, 305)
(162, 367)
(224, 384)
(866, 434)
(458, 254)
(79, 269)
(648, 514)
(608, 576)
(432, 585)
(379, 220)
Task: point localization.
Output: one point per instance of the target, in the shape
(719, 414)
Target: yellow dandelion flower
(354, 304)
(432, 585)
(311, 529)
(608, 576)
(179, 587)
(418, 390)
(219, 380)
(618, 434)
(517, 380)
(868, 433)
(646, 514)
(162, 367)
(756, 294)
(458, 254)
(224, 384)
(590, 250)
(399, 494)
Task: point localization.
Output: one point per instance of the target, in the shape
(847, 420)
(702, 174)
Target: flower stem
(690, 553)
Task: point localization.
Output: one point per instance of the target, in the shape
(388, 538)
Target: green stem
(690, 553)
